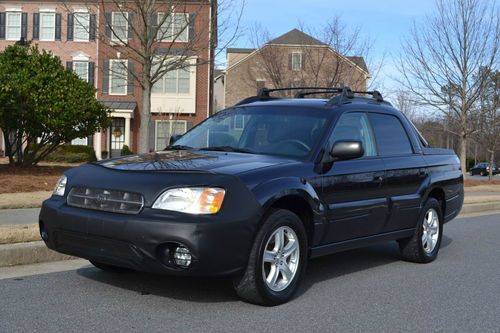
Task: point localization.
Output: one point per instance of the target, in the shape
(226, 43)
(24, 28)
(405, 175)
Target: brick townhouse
(78, 33)
(296, 58)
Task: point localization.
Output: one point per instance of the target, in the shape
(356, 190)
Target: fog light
(182, 256)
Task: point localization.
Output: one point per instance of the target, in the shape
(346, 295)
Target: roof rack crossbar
(345, 94)
(375, 93)
(302, 94)
(265, 92)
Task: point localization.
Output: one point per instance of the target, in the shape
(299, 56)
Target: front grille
(106, 200)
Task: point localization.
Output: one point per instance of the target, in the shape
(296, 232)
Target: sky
(384, 22)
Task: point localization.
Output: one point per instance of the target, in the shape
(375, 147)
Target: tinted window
(354, 126)
(390, 135)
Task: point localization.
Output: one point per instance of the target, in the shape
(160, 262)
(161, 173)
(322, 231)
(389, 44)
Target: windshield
(283, 131)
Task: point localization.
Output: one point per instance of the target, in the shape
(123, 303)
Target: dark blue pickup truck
(258, 189)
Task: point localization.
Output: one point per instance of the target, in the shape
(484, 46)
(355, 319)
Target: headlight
(192, 200)
(60, 186)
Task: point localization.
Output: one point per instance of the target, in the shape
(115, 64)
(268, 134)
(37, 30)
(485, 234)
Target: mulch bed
(31, 179)
(473, 182)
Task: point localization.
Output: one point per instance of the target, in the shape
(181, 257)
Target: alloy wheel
(430, 234)
(280, 260)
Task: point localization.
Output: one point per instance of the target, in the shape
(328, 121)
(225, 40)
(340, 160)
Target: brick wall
(64, 49)
(319, 67)
(100, 50)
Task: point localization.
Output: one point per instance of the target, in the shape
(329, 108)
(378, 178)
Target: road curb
(480, 207)
(28, 253)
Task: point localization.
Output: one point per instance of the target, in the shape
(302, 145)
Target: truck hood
(194, 160)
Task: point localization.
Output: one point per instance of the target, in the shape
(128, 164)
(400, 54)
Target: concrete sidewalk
(19, 216)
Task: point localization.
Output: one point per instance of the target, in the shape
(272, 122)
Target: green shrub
(126, 151)
(72, 154)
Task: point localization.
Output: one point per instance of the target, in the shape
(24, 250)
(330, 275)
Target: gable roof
(295, 37)
(239, 50)
(360, 62)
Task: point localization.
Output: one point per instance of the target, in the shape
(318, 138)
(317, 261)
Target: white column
(127, 132)
(2, 143)
(97, 145)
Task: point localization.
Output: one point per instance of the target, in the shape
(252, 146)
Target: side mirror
(347, 150)
(174, 138)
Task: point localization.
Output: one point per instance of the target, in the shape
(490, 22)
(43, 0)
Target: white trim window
(81, 26)
(296, 61)
(176, 29)
(81, 68)
(119, 24)
(174, 82)
(47, 26)
(80, 142)
(13, 26)
(118, 76)
(165, 129)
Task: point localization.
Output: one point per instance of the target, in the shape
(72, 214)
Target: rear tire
(423, 246)
(110, 268)
(276, 262)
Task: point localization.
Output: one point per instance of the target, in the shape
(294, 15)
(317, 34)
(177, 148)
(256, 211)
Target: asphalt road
(367, 290)
(482, 178)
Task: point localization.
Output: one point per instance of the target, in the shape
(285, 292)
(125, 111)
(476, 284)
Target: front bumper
(219, 244)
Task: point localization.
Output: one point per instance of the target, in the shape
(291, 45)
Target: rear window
(390, 135)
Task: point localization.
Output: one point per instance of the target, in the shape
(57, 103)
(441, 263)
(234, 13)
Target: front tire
(277, 260)
(423, 247)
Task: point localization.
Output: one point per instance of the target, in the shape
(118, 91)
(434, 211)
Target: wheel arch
(438, 194)
(294, 195)
(300, 207)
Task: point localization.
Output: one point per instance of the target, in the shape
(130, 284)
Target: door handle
(378, 179)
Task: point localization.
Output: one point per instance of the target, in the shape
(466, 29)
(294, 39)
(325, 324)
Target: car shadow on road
(196, 289)
(213, 290)
(348, 262)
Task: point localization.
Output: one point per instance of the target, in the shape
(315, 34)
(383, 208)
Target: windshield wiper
(178, 147)
(230, 149)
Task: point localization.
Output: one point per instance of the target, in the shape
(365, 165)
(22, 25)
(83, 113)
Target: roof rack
(345, 94)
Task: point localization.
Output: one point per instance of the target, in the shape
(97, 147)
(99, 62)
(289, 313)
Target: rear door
(353, 190)
(405, 170)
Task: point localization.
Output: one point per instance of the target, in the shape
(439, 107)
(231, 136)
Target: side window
(354, 126)
(390, 134)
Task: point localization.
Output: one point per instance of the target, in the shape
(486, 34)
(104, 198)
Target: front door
(354, 190)
(117, 136)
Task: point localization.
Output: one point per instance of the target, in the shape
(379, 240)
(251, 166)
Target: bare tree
(442, 58)
(338, 67)
(157, 37)
(488, 134)
(327, 64)
(404, 102)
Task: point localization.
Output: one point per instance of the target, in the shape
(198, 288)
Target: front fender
(271, 191)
